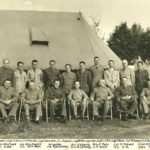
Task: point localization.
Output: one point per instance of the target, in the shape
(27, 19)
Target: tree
(129, 43)
(119, 41)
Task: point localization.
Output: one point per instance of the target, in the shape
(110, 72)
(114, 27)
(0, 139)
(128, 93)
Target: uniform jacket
(141, 76)
(50, 75)
(6, 73)
(85, 79)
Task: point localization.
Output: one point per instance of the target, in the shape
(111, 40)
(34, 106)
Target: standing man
(35, 74)
(127, 98)
(51, 74)
(100, 97)
(97, 71)
(84, 77)
(56, 98)
(20, 78)
(67, 79)
(111, 76)
(141, 77)
(32, 98)
(127, 72)
(78, 98)
(8, 100)
(6, 72)
(145, 100)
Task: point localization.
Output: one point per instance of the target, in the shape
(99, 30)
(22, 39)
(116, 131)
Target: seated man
(56, 98)
(145, 100)
(127, 98)
(32, 98)
(77, 98)
(101, 96)
(8, 100)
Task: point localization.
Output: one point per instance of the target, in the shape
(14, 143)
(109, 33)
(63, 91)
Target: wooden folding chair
(110, 110)
(120, 113)
(20, 111)
(47, 111)
(79, 115)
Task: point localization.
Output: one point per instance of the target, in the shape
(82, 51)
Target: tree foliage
(129, 43)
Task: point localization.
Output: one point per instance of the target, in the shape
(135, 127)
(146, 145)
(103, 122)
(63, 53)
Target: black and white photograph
(75, 69)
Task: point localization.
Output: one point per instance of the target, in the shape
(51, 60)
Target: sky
(109, 12)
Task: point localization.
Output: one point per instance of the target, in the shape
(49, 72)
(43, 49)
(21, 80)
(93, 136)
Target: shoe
(146, 116)
(27, 123)
(75, 117)
(125, 118)
(5, 119)
(132, 116)
(11, 119)
(82, 118)
(37, 122)
(64, 120)
(95, 118)
(104, 119)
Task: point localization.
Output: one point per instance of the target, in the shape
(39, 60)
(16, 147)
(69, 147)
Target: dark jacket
(54, 93)
(6, 73)
(140, 80)
(85, 80)
(50, 75)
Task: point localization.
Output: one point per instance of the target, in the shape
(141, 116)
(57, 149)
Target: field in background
(77, 129)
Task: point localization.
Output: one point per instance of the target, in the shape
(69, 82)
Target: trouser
(57, 104)
(145, 105)
(13, 109)
(98, 104)
(128, 106)
(74, 107)
(37, 108)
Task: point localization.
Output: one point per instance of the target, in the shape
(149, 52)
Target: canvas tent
(65, 37)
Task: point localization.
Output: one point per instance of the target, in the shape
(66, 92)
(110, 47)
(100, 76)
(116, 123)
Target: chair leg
(46, 111)
(111, 113)
(19, 111)
(69, 110)
(120, 116)
(137, 113)
(87, 111)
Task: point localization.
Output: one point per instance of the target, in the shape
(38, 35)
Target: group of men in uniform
(95, 86)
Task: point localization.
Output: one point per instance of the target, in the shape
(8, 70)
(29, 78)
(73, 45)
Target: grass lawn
(77, 129)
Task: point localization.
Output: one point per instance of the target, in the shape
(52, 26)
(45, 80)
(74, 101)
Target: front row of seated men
(100, 97)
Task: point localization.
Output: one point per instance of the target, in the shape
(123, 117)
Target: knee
(94, 103)
(26, 106)
(16, 104)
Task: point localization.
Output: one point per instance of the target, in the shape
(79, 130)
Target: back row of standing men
(88, 78)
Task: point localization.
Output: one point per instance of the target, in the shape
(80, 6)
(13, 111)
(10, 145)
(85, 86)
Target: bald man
(101, 96)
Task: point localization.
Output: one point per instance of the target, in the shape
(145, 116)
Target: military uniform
(20, 79)
(111, 77)
(50, 75)
(123, 91)
(8, 94)
(6, 73)
(78, 98)
(67, 81)
(32, 95)
(141, 76)
(85, 79)
(129, 74)
(101, 95)
(97, 74)
(145, 99)
(56, 98)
